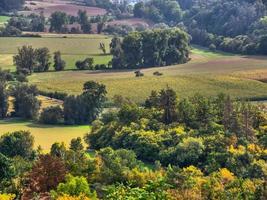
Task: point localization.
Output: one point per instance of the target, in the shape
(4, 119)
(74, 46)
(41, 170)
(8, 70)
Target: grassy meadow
(72, 47)
(45, 135)
(207, 73)
(3, 20)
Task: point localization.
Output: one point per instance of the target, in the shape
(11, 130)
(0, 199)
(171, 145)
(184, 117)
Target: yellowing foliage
(67, 197)
(140, 178)
(226, 175)
(240, 150)
(7, 196)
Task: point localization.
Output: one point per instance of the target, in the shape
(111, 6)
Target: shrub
(51, 115)
(212, 47)
(138, 74)
(157, 73)
(21, 77)
(85, 64)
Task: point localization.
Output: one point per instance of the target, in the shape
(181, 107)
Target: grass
(3, 20)
(207, 73)
(45, 135)
(72, 47)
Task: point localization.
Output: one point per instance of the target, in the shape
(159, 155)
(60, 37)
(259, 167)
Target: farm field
(72, 47)
(207, 73)
(45, 135)
(50, 6)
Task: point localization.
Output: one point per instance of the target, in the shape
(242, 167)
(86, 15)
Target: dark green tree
(117, 52)
(76, 144)
(51, 115)
(59, 64)
(42, 59)
(7, 169)
(26, 104)
(19, 143)
(168, 102)
(25, 60)
(58, 21)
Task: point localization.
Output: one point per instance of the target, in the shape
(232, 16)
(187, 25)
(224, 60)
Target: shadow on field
(254, 57)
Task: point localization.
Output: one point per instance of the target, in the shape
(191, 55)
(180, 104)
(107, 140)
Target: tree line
(58, 22)
(232, 26)
(10, 5)
(150, 49)
(29, 60)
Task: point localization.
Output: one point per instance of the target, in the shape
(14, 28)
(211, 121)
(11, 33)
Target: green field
(3, 20)
(72, 47)
(207, 73)
(45, 135)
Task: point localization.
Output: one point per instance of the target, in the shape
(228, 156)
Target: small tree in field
(102, 47)
(59, 64)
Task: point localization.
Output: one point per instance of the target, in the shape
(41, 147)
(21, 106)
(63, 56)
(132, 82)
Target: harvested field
(50, 6)
(131, 22)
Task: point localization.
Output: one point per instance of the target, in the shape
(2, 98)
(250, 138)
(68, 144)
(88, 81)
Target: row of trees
(29, 60)
(150, 49)
(241, 44)
(58, 22)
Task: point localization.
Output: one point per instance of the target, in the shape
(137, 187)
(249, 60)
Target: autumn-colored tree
(45, 175)
(67, 197)
(7, 196)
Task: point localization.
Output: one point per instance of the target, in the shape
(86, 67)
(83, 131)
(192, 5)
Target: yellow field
(45, 135)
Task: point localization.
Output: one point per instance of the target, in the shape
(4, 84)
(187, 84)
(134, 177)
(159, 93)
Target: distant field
(48, 7)
(44, 135)
(207, 73)
(73, 48)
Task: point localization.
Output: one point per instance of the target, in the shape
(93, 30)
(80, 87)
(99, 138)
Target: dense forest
(170, 148)
(233, 26)
(9, 5)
